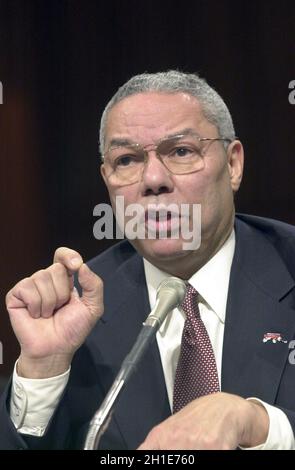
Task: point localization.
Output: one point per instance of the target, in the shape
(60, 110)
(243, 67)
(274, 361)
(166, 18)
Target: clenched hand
(49, 318)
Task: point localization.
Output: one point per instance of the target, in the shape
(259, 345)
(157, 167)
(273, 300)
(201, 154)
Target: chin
(161, 249)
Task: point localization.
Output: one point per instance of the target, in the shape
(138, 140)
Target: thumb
(92, 290)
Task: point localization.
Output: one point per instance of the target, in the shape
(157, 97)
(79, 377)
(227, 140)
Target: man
(166, 138)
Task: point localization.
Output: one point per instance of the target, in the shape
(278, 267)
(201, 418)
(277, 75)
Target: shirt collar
(211, 281)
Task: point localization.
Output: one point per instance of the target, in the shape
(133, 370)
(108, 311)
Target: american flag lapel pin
(273, 337)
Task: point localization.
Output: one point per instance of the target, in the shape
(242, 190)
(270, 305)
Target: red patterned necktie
(196, 372)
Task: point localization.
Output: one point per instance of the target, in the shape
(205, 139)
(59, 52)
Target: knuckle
(69, 258)
(64, 252)
(155, 432)
(59, 254)
(59, 251)
(23, 283)
(22, 286)
(58, 269)
(41, 275)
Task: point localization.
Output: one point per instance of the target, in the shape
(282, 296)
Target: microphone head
(170, 295)
(173, 286)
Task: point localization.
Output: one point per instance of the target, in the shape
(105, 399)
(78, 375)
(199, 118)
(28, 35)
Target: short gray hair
(174, 81)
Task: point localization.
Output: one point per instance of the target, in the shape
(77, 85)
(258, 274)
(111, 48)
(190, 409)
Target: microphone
(170, 295)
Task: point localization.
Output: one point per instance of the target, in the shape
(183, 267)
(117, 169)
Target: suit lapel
(261, 300)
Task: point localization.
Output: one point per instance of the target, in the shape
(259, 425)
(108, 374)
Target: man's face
(145, 119)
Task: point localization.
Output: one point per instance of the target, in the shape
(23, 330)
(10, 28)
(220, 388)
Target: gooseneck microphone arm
(170, 294)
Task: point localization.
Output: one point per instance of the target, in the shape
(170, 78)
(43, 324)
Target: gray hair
(174, 81)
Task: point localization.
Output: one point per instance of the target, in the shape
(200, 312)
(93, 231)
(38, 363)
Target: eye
(182, 151)
(127, 160)
(124, 160)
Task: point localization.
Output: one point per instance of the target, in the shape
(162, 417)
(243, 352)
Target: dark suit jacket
(260, 300)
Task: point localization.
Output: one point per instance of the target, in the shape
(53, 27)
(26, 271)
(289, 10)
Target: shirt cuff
(280, 433)
(33, 401)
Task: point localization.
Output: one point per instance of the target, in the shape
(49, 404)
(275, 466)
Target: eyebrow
(120, 141)
(186, 131)
(117, 141)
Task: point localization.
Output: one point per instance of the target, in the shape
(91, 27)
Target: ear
(103, 173)
(235, 156)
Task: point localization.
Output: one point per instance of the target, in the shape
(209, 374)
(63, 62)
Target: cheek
(217, 204)
(121, 198)
(211, 189)
(196, 188)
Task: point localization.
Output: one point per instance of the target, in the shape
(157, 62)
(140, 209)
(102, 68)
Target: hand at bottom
(218, 421)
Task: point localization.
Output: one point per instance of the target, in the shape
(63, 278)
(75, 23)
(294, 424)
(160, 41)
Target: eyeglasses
(180, 154)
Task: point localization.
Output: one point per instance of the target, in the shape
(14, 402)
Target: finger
(44, 283)
(92, 290)
(25, 295)
(62, 283)
(71, 259)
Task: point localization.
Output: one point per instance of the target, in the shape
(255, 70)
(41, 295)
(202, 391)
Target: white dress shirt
(33, 401)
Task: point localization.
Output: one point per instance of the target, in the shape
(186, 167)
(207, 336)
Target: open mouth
(162, 223)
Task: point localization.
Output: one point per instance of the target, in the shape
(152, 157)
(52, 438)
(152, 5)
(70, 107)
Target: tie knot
(190, 304)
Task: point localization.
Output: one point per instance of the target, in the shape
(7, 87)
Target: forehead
(146, 117)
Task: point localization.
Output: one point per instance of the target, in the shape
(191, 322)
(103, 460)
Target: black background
(61, 61)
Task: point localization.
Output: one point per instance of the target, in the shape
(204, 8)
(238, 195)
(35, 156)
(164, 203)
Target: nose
(156, 178)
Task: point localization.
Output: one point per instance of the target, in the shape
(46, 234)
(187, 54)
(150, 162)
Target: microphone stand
(176, 289)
